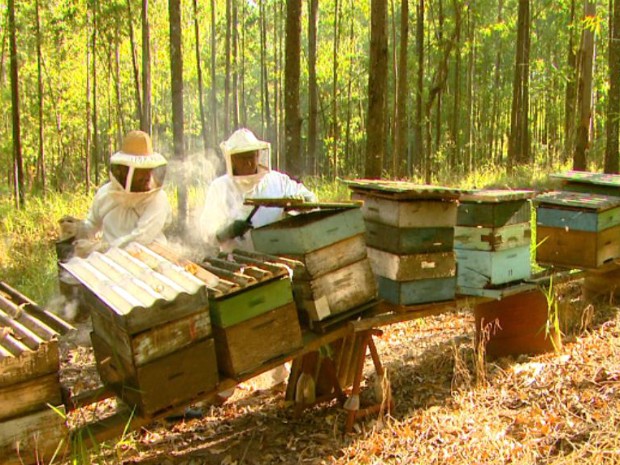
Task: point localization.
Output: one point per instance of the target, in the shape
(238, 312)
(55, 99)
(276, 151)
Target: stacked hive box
(492, 239)
(30, 431)
(151, 327)
(337, 277)
(577, 230)
(254, 321)
(410, 233)
(587, 182)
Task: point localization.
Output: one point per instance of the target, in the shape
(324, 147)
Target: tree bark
(176, 75)
(377, 82)
(213, 106)
(146, 123)
(18, 167)
(401, 140)
(42, 172)
(134, 63)
(419, 152)
(228, 70)
(94, 114)
(291, 88)
(585, 91)
(203, 117)
(613, 98)
(313, 92)
(334, 122)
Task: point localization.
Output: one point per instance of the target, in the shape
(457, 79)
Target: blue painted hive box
(577, 230)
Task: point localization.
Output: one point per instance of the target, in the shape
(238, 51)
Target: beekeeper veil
(242, 141)
(136, 168)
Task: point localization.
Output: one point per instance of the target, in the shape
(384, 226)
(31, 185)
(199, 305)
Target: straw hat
(137, 151)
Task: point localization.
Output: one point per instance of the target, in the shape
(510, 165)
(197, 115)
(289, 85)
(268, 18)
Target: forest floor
(556, 408)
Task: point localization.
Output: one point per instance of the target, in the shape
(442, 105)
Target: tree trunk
(117, 88)
(87, 117)
(518, 145)
(613, 98)
(265, 107)
(334, 122)
(235, 64)
(227, 72)
(419, 153)
(496, 153)
(401, 140)
(94, 114)
(377, 82)
(585, 91)
(570, 100)
(134, 63)
(146, 123)
(18, 167)
(455, 149)
(214, 107)
(203, 117)
(313, 97)
(42, 172)
(291, 88)
(176, 75)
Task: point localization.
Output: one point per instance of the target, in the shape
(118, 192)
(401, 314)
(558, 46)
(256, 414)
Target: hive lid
(402, 190)
(581, 200)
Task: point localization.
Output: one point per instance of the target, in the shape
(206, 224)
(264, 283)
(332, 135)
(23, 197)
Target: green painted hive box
(408, 240)
(251, 302)
(420, 291)
(494, 208)
(306, 232)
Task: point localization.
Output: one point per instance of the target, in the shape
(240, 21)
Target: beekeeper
(132, 206)
(224, 218)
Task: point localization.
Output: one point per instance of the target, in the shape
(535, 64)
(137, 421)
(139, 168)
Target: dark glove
(236, 229)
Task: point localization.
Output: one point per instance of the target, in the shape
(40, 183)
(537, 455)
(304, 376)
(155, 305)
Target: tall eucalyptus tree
(292, 71)
(613, 98)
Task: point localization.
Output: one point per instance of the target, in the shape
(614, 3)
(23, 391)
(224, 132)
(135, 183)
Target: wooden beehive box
(588, 182)
(306, 232)
(401, 240)
(577, 230)
(516, 324)
(151, 326)
(30, 431)
(494, 208)
(481, 269)
(257, 321)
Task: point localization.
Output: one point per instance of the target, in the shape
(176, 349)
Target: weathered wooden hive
(492, 239)
(30, 430)
(577, 230)
(336, 277)
(151, 326)
(588, 182)
(254, 319)
(410, 237)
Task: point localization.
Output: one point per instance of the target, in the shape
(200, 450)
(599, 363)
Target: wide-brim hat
(137, 151)
(243, 140)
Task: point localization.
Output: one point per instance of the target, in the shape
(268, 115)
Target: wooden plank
(30, 364)
(587, 177)
(484, 269)
(243, 347)
(577, 249)
(401, 189)
(577, 219)
(412, 267)
(254, 301)
(165, 382)
(29, 396)
(579, 200)
(495, 195)
(408, 240)
(493, 215)
(492, 239)
(410, 214)
(416, 292)
(337, 291)
(330, 258)
(306, 232)
(155, 342)
(33, 438)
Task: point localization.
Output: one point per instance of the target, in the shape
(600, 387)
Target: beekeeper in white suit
(132, 206)
(223, 221)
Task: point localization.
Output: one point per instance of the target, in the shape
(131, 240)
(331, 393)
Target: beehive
(577, 230)
(151, 326)
(410, 238)
(30, 431)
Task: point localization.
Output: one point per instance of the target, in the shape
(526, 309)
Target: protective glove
(236, 229)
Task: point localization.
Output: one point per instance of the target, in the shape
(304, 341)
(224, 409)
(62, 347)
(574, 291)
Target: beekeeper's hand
(236, 229)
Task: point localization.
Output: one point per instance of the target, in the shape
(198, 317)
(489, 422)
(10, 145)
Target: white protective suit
(226, 194)
(123, 216)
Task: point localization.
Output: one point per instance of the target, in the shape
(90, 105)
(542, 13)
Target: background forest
(430, 90)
